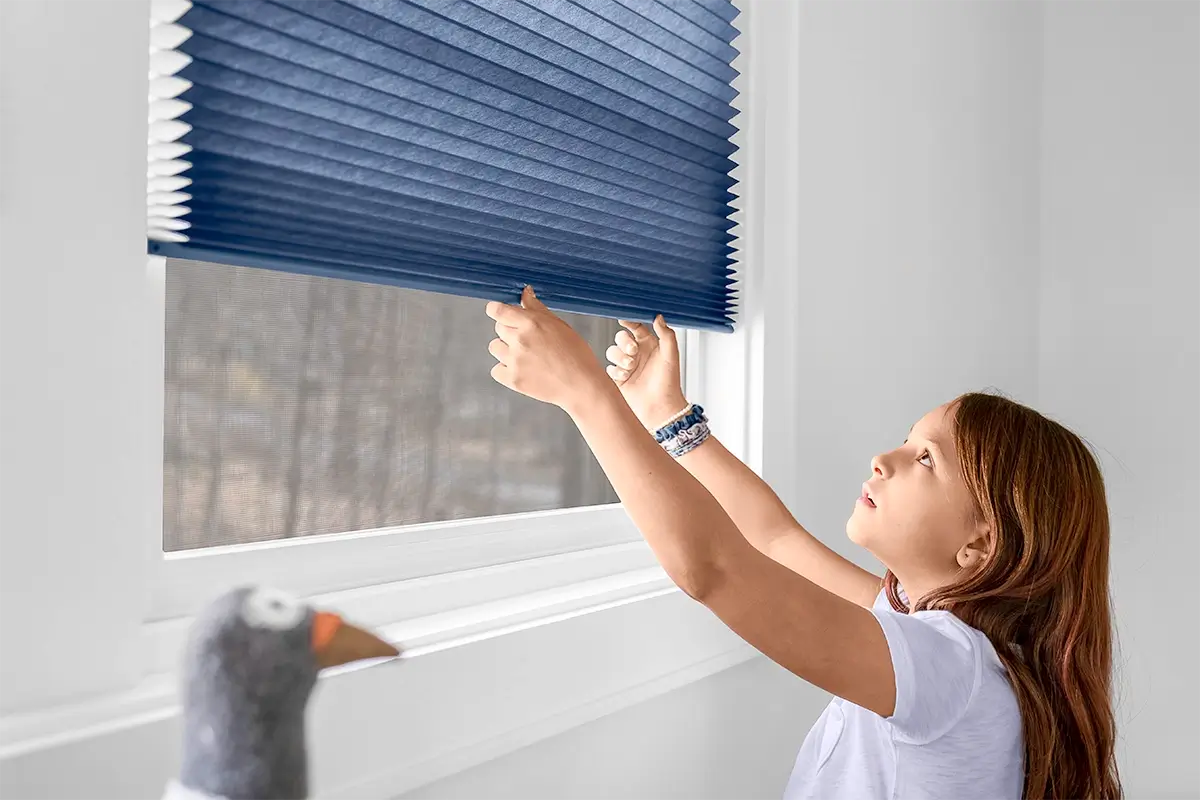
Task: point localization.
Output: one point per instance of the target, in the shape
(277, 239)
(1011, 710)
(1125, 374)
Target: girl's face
(915, 514)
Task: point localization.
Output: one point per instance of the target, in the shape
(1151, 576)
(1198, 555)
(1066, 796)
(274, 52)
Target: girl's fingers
(499, 350)
(618, 357)
(617, 374)
(530, 301)
(626, 342)
(640, 332)
(512, 316)
(505, 333)
(501, 375)
(666, 337)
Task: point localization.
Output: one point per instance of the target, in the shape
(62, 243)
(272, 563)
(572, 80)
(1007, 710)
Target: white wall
(1120, 340)
(918, 175)
(733, 735)
(74, 509)
(918, 227)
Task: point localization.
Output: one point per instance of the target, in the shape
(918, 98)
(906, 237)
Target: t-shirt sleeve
(938, 666)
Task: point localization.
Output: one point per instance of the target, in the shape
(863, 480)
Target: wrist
(591, 395)
(662, 411)
(684, 432)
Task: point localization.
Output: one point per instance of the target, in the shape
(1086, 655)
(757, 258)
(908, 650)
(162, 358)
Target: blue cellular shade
(469, 147)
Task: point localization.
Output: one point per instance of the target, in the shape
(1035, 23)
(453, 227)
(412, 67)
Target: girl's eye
(926, 459)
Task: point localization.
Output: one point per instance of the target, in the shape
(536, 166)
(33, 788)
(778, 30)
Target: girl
(982, 669)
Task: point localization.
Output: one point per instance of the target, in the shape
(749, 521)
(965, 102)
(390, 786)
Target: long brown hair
(1042, 595)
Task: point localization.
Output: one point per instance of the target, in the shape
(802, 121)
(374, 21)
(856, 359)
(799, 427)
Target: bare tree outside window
(298, 405)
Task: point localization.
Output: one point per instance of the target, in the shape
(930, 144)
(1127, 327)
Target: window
(300, 405)
(326, 435)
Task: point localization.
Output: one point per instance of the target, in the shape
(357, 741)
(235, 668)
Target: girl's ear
(975, 552)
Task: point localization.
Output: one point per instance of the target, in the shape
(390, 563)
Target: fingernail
(631, 349)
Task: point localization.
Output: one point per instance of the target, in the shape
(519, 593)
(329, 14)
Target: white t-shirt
(955, 732)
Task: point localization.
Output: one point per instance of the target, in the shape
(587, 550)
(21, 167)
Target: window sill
(320, 565)
(439, 611)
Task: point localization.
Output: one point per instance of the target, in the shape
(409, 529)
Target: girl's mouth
(865, 498)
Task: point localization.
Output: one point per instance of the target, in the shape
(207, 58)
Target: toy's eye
(272, 609)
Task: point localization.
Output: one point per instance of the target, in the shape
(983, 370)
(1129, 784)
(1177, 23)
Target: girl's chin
(865, 536)
(857, 532)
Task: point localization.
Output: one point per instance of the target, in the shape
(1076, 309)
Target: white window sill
(437, 611)
(320, 565)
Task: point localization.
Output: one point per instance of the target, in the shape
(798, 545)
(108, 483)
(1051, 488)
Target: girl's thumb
(666, 336)
(529, 298)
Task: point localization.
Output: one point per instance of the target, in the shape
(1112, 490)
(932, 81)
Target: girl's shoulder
(952, 630)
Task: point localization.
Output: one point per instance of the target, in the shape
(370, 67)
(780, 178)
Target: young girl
(982, 669)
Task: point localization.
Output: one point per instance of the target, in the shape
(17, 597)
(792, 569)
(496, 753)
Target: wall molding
(391, 783)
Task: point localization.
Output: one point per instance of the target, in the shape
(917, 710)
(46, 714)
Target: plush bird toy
(251, 664)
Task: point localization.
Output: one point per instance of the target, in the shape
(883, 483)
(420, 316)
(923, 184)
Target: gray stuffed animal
(251, 664)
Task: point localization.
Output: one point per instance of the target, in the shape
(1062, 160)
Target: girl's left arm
(831, 642)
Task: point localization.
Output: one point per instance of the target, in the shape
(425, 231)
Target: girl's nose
(879, 466)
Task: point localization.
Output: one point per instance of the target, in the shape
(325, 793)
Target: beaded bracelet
(674, 418)
(685, 433)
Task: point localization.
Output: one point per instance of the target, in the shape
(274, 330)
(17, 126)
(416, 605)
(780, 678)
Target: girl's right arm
(646, 367)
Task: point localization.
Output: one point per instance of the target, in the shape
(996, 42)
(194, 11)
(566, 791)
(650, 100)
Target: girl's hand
(541, 356)
(646, 368)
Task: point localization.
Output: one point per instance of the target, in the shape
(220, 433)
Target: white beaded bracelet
(686, 410)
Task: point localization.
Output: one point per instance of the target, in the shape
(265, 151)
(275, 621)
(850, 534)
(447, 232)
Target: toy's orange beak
(335, 641)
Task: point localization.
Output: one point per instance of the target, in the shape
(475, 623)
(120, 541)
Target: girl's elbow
(698, 580)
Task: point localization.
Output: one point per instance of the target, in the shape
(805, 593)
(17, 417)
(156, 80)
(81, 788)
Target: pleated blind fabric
(459, 146)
